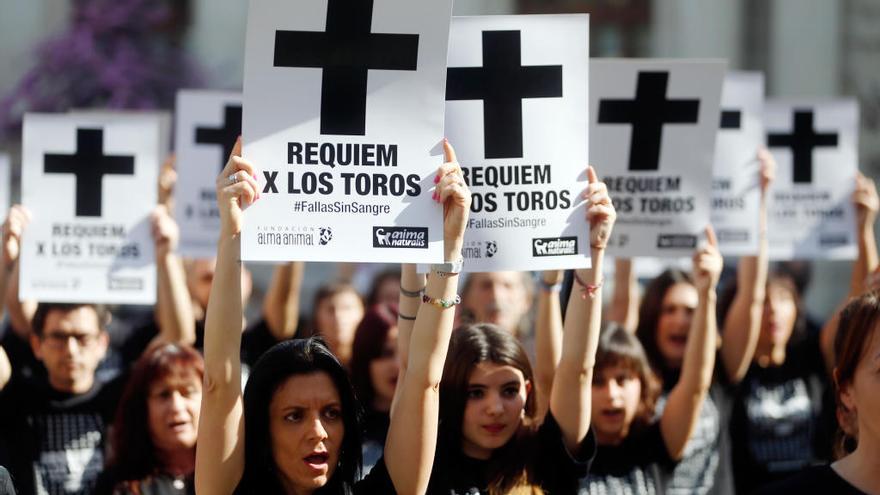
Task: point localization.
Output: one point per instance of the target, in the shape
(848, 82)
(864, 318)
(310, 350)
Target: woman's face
(674, 323)
(384, 370)
(862, 396)
(337, 318)
(496, 400)
(617, 391)
(780, 315)
(173, 406)
(306, 429)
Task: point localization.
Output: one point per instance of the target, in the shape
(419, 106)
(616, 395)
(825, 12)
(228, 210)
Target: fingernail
(254, 176)
(445, 140)
(436, 179)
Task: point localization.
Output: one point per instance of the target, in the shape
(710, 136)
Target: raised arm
(570, 393)
(683, 406)
(742, 324)
(412, 436)
(412, 286)
(548, 337)
(281, 304)
(174, 312)
(20, 312)
(624, 308)
(220, 456)
(866, 203)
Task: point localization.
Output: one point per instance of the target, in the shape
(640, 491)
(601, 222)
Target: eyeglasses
(60, 340)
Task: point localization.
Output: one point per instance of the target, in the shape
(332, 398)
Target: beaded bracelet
(441, 303)
(588, 288)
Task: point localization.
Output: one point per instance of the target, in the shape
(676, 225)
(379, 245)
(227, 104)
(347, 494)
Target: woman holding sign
(492, 437)
(296, 428)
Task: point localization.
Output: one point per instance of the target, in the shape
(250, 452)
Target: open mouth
(678, 340)
(494, 428)
(317, 460)
(613, 413)
(178, 425)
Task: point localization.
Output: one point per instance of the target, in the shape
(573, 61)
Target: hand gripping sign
(517, 112)
(652, 133)
(90, 182)
(343, 113)
(810, 210)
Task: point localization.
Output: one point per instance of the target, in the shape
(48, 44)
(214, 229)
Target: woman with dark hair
(665, 325)
(491, 437)
(779, 422)
(374, 373)
(296, 428)
(163, 393)
(637, 446)
(856, 349)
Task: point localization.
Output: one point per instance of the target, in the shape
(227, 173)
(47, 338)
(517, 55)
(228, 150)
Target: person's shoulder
(6, 487)
(816, 479)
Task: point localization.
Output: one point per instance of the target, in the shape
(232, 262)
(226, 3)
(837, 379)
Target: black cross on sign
(224, 136)
(730, 119)
(89, 165)
(802, 140)
(502, 83)
(647, 114)
(346, 51)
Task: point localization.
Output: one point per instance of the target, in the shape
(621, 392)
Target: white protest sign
(207, 125)
(652, 135)
(343, 116)
(810, 209)
(90, 182)
(736, 187)
(516, 112)
(5, 184)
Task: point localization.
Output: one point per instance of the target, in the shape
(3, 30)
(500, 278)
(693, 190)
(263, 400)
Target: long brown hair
(133, 455)
(369, 344)
(649, 314)
(509, 467)
(858, 323)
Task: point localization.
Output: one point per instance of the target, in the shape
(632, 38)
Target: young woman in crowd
(338, 308)
(635, 445)
(154, 435)
(374, 373)
(491, 439)
(857, 356)
(664, 326)
(778, 423)
(295, 430)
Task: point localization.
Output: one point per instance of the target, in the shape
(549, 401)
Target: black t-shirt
(376, 482)
(636, 466)
(776, 423)
(556, 470)
(158, 484)
(376, 426)
(706, 466)
(817, 479)
(58, 437)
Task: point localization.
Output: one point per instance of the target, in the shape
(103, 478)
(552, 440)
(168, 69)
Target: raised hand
(16, 221)
(237, 189)
(707, 263)
(865, 200)
(600, 210)
(768, 169)
(454, 194)
(166, 233)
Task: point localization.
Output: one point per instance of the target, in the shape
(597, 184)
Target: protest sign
(207, 125)
(736, 188)
(652, 132)
(343, 117)
(810, 209)
(516, 111)
(89, 181)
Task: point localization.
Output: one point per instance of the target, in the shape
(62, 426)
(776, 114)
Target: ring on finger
(232, 179)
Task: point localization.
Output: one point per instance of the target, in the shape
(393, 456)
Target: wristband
(441, 303)
(406, 317)
(449, 268)
(587, 289)
(412, 293)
